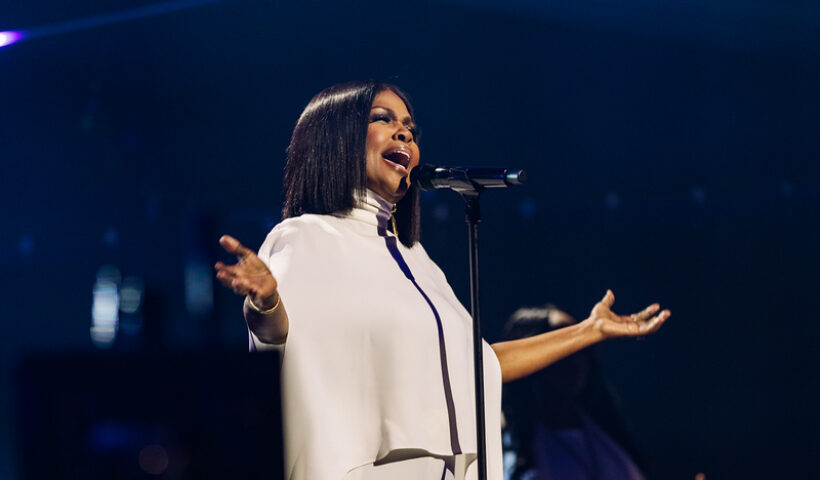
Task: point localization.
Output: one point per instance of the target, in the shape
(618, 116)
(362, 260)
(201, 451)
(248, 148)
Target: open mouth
(398, 156)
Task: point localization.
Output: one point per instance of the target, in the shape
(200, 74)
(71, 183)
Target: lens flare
(9, 37)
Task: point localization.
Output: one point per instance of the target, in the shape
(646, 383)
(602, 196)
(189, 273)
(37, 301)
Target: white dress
(378, 363)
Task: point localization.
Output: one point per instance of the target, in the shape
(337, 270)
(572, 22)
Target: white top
(364, 371)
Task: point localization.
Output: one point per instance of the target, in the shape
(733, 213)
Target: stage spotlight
(13, 36)
(9, 37)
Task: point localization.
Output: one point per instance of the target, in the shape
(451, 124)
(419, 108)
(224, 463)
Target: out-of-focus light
(105, 307)
(612, 200)
(26, 245)
(698, 195)
(10, 36)
(152, 207)
(441, 212)
(131, 295)
(510, 459)
(153, 459)
(104, 314)
(112, 436)
(786, 188)
(528, 208)
(111, 237)
(199, 288)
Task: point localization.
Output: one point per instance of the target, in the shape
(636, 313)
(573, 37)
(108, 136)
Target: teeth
(399, 156)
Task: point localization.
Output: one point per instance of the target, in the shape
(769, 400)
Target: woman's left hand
(525, 356)
(611, 325)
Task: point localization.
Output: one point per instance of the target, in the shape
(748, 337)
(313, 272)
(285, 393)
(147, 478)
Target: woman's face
(391, 146)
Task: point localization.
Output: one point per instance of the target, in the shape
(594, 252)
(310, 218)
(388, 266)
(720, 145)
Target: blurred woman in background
(562, 422)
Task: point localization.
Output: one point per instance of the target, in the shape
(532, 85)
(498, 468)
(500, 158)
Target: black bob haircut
(326, 167)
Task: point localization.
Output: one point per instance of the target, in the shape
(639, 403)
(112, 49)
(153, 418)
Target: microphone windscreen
(421, 177)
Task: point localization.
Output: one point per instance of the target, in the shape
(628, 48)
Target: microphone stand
(472, 217)
(459, 180)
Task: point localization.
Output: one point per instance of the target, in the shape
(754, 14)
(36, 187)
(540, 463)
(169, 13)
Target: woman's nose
(403, 134)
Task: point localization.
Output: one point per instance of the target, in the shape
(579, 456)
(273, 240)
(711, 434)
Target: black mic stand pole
(458, 179)
(472, 217)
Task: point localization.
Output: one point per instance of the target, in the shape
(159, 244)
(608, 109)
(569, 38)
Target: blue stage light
(698, 195)
(612, 200)
(25, 245)
(527, 208)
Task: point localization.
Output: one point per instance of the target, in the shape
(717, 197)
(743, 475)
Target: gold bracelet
(259, 310)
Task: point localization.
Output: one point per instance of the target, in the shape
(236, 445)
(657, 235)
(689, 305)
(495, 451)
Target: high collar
(372, 209)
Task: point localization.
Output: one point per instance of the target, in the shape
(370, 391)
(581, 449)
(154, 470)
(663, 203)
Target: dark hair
(326, 169)
(521, 411)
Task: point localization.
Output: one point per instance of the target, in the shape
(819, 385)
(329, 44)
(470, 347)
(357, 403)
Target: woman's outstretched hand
(525, 356)
(249, 276)
(612, 325)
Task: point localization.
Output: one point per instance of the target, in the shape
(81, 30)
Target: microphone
(466, 179)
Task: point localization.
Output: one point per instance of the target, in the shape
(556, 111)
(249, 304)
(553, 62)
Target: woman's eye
(379, 118)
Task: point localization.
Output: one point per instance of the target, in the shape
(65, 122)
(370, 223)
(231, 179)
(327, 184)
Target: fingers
(232, 245)
(227, 274)
(238, 285)
(654, 324)
(609, 298)
(629, 326)
(635, 325)
(250, 276)
(644, 314)
(225, 277)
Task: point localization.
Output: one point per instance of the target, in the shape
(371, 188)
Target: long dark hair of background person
(523, 413)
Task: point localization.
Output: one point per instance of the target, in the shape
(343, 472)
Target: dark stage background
(672, 149)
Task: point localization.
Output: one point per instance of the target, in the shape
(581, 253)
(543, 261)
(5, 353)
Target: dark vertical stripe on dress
(445, 373)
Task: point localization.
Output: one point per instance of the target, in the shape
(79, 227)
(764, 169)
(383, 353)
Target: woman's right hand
(249, 276)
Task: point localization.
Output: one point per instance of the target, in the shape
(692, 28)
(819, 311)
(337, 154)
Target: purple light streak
(9, 37)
